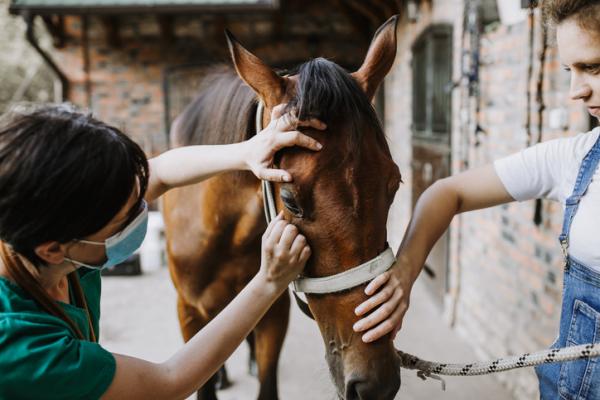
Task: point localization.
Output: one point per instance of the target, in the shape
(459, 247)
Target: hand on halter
(389, 296)
(284, 252)
(281, 132)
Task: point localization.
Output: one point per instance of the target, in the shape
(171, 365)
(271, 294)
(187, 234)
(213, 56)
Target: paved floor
(139, 319)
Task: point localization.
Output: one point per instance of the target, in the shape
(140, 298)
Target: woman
(73, 200)
(564, 170)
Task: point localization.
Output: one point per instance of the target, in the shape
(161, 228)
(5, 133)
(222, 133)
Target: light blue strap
(584, 178)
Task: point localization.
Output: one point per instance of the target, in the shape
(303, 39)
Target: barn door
(432, 76)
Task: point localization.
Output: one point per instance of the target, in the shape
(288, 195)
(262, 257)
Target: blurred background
(473, 80)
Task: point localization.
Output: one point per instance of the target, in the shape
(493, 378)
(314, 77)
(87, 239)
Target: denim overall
(580, 315)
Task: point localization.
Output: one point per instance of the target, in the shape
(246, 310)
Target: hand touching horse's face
(339, 197)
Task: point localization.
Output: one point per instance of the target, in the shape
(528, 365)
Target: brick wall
(123, 84)
(505, 273)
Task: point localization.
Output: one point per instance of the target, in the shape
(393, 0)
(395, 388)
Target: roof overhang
(70, 7)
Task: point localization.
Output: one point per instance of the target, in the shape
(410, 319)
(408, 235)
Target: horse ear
(379, 59)
(269, 86)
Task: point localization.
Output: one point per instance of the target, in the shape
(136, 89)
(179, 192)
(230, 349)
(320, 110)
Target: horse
(339, 199)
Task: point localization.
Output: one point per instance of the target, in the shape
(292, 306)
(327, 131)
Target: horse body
(339, 199)
(214, 231)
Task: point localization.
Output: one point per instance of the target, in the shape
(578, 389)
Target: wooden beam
(372, 15)
(56, 27)
(220, 24)
(387, 8)
(111, 27)
(167, 33)
(359, 22)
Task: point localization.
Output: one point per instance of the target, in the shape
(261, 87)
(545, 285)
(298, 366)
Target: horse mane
(329, 93)
(225, 108)
(222, 112)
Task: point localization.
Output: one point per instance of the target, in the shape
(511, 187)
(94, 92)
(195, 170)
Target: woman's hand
(281, 132)
(284, 252)
(389, 298)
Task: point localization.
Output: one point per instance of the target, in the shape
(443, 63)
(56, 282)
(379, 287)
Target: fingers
(379, 315)
(287, 237)
(305, 254)
(274, 175)
(278, 111)
(295, 138)
(313, 123)
(289, 121)
(376, 283)
(272, 224)
(298, 246)
(273, 238)
(391, 325)
(380, 298)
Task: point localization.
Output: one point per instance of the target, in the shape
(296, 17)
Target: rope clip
(426, 374)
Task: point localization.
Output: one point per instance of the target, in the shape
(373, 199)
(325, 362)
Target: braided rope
(428, 369)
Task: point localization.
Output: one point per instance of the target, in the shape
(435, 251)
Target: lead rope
(428, 369)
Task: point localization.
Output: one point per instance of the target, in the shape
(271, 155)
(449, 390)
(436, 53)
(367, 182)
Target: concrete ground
(139, 319)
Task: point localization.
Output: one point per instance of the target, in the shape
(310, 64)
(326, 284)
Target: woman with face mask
(564, 170)
(73, 200)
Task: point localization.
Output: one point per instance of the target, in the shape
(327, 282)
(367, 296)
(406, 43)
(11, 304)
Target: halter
(328, 284)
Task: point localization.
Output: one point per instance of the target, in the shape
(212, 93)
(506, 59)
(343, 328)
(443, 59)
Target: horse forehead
(335, 166)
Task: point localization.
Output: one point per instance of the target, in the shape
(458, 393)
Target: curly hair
(585, 12)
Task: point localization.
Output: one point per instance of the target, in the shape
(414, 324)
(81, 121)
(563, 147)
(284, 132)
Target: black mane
(328, 92)
(224, 110)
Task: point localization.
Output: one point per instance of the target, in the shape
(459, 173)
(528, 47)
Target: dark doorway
(432, 82)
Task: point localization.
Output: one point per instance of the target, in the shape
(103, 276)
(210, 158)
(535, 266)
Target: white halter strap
(334, 283)
(268, 199)
(347, 279)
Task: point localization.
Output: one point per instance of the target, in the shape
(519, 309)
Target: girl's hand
(389, 298)
(284, 252)
(281, 132)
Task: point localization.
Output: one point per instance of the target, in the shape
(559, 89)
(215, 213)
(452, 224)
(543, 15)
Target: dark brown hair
(63, 176)
(17, 271)
(585, 12)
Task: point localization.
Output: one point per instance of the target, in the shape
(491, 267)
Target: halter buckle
(564, 245)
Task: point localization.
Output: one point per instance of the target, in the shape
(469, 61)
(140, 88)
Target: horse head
(339, 197)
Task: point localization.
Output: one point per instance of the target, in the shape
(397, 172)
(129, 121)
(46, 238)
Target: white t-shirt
(549, 170)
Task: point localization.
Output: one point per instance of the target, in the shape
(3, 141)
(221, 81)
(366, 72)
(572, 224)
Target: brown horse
(339, 199)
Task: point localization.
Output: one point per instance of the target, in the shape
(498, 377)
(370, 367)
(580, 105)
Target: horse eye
(290, 203)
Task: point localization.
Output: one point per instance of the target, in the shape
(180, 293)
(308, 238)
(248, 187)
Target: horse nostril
(367, 389)
(352, 389)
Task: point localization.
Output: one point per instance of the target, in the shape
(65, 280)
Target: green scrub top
(41, 357)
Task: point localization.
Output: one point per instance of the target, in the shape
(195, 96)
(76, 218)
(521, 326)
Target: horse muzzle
(372, 387)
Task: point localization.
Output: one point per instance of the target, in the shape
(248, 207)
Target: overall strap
(584, 178)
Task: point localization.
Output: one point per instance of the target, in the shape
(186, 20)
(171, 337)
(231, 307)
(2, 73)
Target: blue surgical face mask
(123, 244)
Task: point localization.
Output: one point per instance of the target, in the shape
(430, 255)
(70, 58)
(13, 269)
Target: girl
(564, 170)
